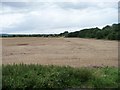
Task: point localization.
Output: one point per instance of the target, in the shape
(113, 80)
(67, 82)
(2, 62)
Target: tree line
(108, 32)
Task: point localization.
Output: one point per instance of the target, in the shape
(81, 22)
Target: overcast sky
(55, 17)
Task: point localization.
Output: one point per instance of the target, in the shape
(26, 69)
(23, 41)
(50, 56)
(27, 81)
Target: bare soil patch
(22, 44)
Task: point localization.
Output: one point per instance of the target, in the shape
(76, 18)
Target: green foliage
(65, 34)
(107, 32)
(106, 77)
(39, 76)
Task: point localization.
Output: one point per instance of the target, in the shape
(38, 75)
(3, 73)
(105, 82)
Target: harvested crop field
(75, 52)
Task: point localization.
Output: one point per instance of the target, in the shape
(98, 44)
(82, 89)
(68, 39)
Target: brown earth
(75, 52)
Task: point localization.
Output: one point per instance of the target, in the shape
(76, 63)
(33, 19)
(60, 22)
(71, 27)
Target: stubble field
(75, 52)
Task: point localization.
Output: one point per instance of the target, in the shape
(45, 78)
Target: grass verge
(43, 76)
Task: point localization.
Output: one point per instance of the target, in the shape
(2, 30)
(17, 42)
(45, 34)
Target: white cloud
(56, 17)
(10, 20)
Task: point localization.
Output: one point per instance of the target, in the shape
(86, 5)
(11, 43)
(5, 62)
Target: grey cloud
(22, 5)
(15, 4)
(70, 5)
(28, 6)
(84, 5)
(64, 5)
